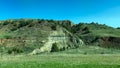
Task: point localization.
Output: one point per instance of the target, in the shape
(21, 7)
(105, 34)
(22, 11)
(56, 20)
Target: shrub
(53, 27)
(6, 23)
(14, 50)
(31, 24)
(62, 49)
(51, 21)
(23, 24)
(118, 27)
(85, 53)
(102, 53)
(7, 36)
(9, 52)
(54, 48)
(13, 29)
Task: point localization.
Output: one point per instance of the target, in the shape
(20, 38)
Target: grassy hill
(96, 29)
(98, 34)
(60, 44)
(39, 35)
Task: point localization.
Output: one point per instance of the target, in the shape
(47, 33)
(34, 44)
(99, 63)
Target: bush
(7, 36)
(102, 53)
(53, 27)
(6, 23)
(118, 27)
(23, 24)
(54, 48)
(62, 49)
(14, 50)
(31, 24)
(85, 53)
(9, 52)
(13, 29)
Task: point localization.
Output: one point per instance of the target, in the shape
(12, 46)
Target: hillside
(37, 35)
(33, 36)
(98, 34)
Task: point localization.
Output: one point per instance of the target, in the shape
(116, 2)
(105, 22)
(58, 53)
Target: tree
(118, 27)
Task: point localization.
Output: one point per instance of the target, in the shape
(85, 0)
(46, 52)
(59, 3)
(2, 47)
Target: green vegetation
(89, 49)
(96, 29)
(55, 47)
(98, 34)
(60, 61)
(31, 34)
(15, 50)
(82, 45)
(54, 27)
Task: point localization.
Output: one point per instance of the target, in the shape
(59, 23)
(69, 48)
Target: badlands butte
(35, 36)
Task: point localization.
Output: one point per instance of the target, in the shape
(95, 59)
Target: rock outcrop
(63, 39)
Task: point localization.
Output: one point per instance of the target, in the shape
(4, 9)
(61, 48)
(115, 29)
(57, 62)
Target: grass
(72, 58)
(106, 32)
(89, 49)
(61, 61)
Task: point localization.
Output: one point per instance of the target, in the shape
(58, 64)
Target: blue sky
(101, 11)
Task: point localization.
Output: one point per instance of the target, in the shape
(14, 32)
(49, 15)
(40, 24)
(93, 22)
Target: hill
(98, 34)
(39, 35)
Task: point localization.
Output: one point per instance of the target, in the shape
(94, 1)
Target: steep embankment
(109, 42)
(62, 39)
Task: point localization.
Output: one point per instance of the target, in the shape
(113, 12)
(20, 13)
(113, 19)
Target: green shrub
(23, 24)
(54, 48)
(9, 52)
(62, 49)
(15, 50)
(7, 36)
(31, 24)
(85, 53)
(118, 27)
(6, 23)
(102, 53)
(13, 29)
(53, 27)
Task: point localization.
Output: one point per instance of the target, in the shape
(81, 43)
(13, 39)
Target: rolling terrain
(58, 44)
(37, 35)
(34, 36)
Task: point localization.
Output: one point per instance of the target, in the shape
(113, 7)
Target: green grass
(61, 61)
(89, 49)
(106, 32)
(72, 58)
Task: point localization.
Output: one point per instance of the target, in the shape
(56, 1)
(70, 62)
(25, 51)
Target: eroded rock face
(109, 41)
(64, 40)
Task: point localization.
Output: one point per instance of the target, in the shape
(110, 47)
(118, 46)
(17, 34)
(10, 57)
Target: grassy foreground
(61, 61)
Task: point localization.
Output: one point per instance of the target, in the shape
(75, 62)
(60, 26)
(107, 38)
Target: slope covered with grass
(27, 35)
(98, 34)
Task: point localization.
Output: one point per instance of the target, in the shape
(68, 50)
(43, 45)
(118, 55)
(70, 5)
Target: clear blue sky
(101, 11)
